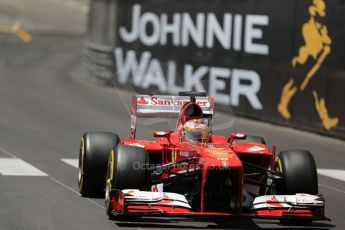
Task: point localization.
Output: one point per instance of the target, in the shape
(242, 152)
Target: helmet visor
(197, 129)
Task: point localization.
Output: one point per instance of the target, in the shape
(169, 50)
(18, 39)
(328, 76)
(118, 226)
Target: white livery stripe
(333, 173)
(71, 161)
(18, 167)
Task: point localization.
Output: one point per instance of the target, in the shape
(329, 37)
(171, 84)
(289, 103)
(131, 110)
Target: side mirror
(161, 134)
(237, 136)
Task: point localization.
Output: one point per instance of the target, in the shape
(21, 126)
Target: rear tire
(93, 157)
(126, 170)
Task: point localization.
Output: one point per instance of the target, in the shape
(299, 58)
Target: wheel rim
(107, 194)
(81, 164)
(279, 169)
(108, 186)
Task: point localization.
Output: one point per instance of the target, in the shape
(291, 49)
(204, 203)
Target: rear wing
(162, 106)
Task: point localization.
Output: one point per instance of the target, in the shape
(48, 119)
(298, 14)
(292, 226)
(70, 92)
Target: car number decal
(255, 149)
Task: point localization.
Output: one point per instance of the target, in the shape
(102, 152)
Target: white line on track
(71, 161)
(14, 166)
(74, 163)
(60, 183)
(332, 188)
(333, 173)
(74, 191)
(7, 152)
(18, 167)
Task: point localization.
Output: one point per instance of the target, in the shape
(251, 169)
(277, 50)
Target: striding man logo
(317, 46)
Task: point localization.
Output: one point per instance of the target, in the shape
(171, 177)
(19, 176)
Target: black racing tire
(298, 170)
(94, 152)
(127, 169)
(252, 139)
(299, 173)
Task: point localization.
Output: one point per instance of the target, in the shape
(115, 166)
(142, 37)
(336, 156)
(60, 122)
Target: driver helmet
(197, 129)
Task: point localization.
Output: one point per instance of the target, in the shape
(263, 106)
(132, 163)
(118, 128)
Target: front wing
(135, 202)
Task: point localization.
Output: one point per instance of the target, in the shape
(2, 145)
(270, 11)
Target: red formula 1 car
(193, 172)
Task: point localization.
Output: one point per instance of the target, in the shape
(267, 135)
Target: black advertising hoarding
(274, 60)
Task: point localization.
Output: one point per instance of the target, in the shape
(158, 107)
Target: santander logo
(168, 102)
(274, 202)
(142, 101)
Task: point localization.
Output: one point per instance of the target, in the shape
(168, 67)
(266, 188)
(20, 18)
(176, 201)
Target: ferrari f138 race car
(193, 172)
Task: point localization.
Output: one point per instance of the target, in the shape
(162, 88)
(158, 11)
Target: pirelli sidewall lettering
(274, 60)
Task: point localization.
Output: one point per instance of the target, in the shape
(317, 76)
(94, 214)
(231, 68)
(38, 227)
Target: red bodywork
(212, 156)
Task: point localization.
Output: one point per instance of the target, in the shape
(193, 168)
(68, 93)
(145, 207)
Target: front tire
(126, 170)
(298, 170)
(93, 157)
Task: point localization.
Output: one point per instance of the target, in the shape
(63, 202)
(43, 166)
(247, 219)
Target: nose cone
(220, 158)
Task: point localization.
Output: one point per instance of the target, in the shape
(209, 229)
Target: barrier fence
(271, 60)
